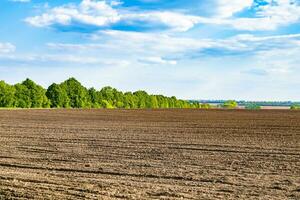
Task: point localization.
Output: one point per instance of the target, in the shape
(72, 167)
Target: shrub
(295, 107)
(252, 106)
(230, 104)
(205, 106)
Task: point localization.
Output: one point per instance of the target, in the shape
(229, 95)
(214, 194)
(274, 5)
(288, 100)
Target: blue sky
(196, 49)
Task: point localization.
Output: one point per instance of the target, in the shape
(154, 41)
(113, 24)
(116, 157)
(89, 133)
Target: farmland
(149, 154)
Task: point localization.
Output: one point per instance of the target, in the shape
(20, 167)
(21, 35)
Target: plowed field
(149, 154)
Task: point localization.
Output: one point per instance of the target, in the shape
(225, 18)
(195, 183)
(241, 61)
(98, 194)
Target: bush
(252, 106)
(295, 107)
(231, 104)
(205, 106)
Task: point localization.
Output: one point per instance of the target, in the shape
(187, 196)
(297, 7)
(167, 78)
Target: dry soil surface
(149, 154)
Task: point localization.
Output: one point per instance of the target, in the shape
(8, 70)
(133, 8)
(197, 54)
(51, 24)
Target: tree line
(72, 94)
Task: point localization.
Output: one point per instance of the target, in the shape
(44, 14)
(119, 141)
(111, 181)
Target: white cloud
(7, 48)
(282, 62)
(176, 21)
(97, 13)
(252, 38)
(134, 49)
(253, 44)
(157, 60)
(71, 47)
(63, 59)
(151, 48)
(268, 17)
(101, 14)
(150, 42)
(227, 8)
(116, 3)
(155, 46)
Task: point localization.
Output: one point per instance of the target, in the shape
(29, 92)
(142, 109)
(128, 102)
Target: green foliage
(77, 94)
(295, 107)
(205, 106)
(231, 104)
(142, 98)
(71, 94)
(30, 95)
(57, 96)
(153, 102)
(94, 98)
(7, 95)
(22, 98)
(106, 104)
(252, 106)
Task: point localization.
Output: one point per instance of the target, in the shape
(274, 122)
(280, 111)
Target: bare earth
(149, 154)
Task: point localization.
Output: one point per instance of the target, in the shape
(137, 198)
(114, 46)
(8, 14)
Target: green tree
(154, 102)
(95, 98)
(37, 94)
(142, 98)
(22, 98)
(172, 102)
(107, 93)
(7, 95)
(118, 99)
(58, 96)
(77, 94)
(130, 101)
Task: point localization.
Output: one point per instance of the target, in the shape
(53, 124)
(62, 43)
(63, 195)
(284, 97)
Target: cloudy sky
(195, 49)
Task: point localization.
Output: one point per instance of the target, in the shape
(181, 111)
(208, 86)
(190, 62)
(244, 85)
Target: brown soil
(149, 154)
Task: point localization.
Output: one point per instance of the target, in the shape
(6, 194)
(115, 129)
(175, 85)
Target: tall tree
(22, 97)
(58, 96)
(154, 102)
(77, 94)
(95, 98)
(7, 95)
(37, 94)
(142, 98)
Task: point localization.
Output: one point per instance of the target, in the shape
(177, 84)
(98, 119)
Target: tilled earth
(149, 154)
